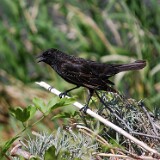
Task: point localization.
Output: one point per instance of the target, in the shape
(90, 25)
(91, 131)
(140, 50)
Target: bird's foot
(62, 95)
(84, 109)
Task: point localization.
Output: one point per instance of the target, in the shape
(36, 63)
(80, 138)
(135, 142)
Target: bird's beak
(40, 58)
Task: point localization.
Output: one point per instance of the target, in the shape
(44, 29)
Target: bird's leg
(84, 109)
(63, 94)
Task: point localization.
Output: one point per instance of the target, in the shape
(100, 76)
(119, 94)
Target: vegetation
(107, 31)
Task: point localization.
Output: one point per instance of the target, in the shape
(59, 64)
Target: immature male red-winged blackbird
(90, 74)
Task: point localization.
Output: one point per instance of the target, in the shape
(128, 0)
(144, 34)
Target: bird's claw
(84, 109)
(62, 95)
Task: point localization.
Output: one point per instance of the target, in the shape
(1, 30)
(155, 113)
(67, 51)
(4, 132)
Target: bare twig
(124, 156)
(104, 121)
(150, 120)
(146, 135)
(99, 138)
(89, 132)
(157, 126)
(112, 111)
(17, 151)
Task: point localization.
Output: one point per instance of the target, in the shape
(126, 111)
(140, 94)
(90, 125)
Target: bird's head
(47, 56)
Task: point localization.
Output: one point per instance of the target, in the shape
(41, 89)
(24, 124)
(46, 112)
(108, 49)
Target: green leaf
(32, 109)
(63, 102)
(23, 114)
(52, 104)
(50, 154)
(65, 115)
(40, 105)
(7, 146)
(62, 115)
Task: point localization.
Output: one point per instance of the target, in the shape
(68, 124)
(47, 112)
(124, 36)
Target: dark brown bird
(86, 73)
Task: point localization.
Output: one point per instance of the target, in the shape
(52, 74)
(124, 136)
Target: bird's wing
(75, 72)
(79, 74)
(103, 70)
(84, 74)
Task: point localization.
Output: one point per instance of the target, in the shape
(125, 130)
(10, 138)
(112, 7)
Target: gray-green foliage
(62, 145)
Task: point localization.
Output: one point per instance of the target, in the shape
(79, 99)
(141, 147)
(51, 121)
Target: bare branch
(18, 151)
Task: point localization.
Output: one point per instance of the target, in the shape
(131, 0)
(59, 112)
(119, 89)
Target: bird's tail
(139, 64)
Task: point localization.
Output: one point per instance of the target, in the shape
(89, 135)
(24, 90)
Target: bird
(85, 73)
